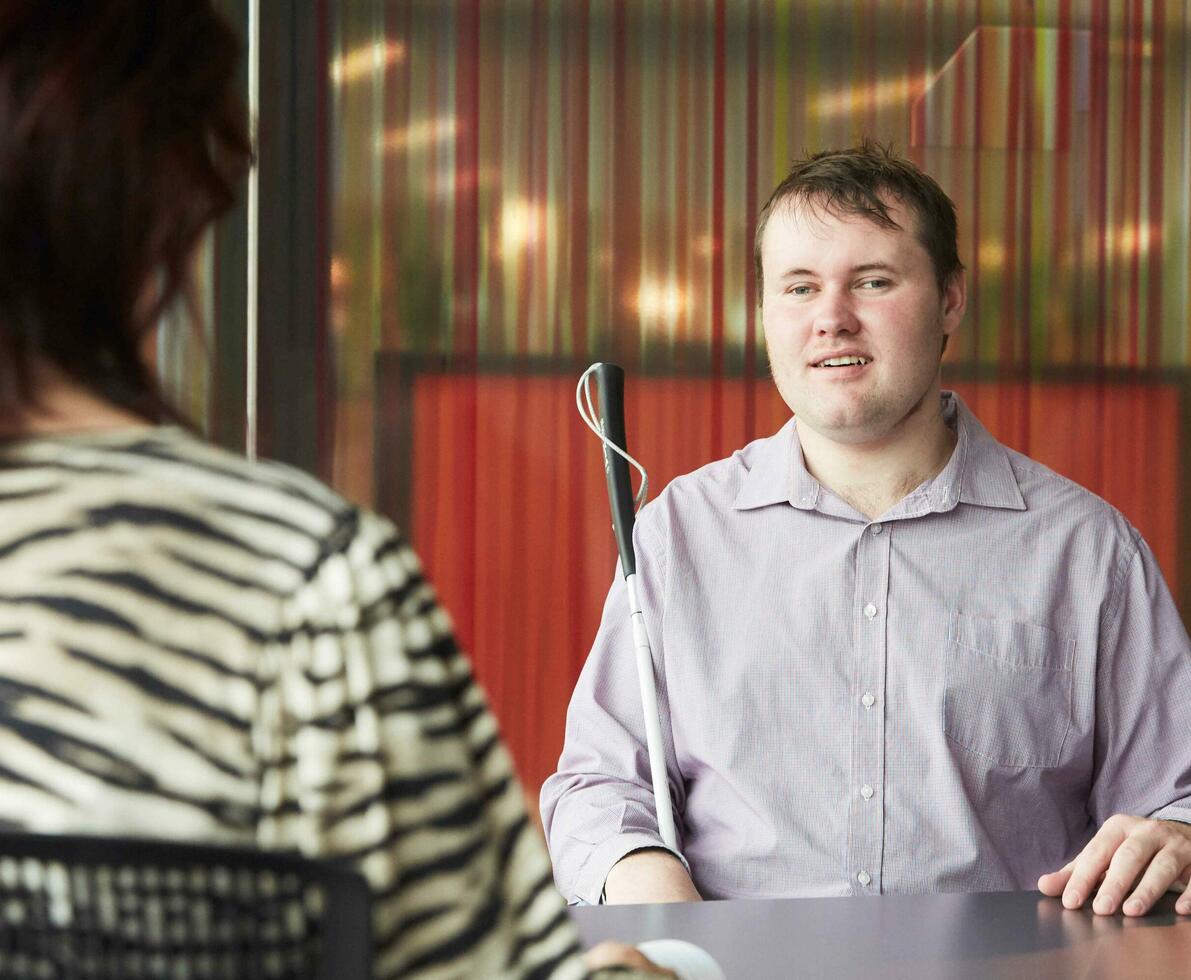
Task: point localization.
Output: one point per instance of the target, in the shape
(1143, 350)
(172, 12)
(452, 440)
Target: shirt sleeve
(599, 806)
(1143, 699)
(377, 745)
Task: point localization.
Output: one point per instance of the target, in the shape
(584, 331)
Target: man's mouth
(844, 360)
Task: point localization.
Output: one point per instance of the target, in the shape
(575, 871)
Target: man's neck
(873, 477)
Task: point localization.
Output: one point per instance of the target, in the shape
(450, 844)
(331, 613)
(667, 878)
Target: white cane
(609, 426)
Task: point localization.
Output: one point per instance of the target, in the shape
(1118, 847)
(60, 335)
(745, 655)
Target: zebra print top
(198, 647)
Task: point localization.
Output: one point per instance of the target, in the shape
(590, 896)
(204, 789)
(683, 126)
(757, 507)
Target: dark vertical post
(292, 249)
(227, 354)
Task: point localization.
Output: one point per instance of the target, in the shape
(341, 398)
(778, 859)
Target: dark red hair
(122, 136)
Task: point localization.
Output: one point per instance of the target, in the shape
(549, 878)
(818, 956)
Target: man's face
(845, 287)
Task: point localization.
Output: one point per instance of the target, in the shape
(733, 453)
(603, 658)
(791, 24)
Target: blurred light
(1142, 48)
(340, 273)
(361, 62)
(992, 254)
(705, 245)
(424, 132)
(523, 223)
(895, 91)
(1134, 239)
(1124, 240)
(339, 319)
(447, 182)
(660, 299)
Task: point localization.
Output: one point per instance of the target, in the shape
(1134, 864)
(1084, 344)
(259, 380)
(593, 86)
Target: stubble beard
(871, 415)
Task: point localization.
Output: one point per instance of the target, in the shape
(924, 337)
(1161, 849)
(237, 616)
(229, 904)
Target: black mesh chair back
(96, 908)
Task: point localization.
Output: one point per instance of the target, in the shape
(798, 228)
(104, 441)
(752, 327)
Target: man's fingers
(1183, 905)
(1128, 863)
(1054, 882)
(1093, 862)
(1165, 868)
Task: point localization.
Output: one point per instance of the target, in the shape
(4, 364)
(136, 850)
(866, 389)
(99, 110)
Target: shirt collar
(774, 477)
(979, 471)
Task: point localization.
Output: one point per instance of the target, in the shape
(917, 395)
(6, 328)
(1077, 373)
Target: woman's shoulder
(173, 484)
(165, 455)
(203, 465)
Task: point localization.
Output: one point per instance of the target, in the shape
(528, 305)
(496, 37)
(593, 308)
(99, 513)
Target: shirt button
(863, 878)
(866, 791)
(870, 611)
(875, 529)
(868, 700)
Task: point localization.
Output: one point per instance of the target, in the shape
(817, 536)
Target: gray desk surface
(995, 936)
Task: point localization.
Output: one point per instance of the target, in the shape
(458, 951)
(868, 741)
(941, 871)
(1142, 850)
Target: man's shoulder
(714, 487)
(1064, 502)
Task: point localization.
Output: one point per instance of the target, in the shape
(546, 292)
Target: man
(892, 655)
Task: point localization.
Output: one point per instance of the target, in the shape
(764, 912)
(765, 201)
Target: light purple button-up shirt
(950, 698)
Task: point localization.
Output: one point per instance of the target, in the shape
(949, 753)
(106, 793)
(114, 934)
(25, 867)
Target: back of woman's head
(122, 137)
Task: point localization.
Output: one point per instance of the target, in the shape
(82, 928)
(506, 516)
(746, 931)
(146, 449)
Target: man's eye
(874, 284)
(800, 290)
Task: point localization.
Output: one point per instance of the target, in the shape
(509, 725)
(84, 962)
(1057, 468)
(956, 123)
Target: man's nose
(835, 314)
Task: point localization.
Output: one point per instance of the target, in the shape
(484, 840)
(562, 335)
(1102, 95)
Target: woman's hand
(622, 954)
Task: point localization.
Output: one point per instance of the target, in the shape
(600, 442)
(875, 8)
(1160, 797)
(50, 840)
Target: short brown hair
(124, 136)
(863, 180)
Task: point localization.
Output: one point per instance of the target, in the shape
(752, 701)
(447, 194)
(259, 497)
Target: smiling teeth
(843, 361)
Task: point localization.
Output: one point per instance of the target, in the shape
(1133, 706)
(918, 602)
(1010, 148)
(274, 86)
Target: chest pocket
(1007, 696)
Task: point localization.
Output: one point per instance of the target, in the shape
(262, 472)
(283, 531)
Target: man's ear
(955, 301)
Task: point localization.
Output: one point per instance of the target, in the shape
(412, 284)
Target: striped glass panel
(519, 187)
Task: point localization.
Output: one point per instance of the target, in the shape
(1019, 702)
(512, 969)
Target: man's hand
(610, 953)
(1138, 853)
(649, 876)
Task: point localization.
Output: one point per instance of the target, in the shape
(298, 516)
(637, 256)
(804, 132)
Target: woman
(192, 645)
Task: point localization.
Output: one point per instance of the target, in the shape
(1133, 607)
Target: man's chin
(846, 429)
